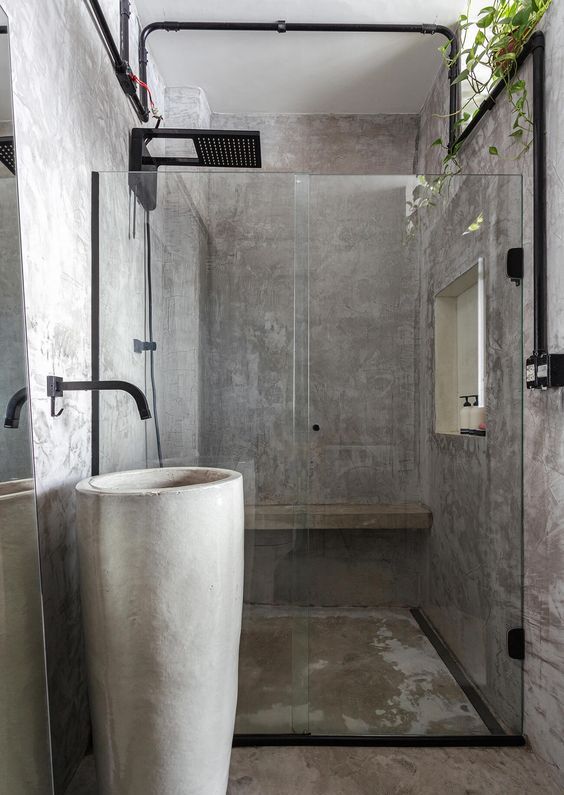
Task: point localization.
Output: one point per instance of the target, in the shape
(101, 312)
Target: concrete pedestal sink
(161, 563)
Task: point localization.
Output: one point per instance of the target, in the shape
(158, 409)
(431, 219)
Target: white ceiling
(302, 72)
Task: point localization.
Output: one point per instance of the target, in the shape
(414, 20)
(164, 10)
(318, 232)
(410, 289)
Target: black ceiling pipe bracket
(281, 26)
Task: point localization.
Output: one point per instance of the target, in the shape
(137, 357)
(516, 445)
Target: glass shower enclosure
(352, 345)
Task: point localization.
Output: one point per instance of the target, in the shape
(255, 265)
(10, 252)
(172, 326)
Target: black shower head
(214, 148)
(228, 149)
(7, 156)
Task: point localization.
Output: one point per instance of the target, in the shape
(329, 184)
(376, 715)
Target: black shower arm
(56, 387)
(281, 26)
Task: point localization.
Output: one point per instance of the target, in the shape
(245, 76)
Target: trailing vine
(491, 42)
(492, 39)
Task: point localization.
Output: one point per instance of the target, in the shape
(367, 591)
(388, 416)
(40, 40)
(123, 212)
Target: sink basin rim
(101, 484)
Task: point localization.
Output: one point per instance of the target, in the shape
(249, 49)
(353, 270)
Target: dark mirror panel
(25, 764)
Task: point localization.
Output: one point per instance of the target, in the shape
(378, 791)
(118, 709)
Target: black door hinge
(515, 265)
(516, 643)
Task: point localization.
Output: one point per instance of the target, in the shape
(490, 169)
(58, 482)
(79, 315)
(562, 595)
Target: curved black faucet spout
(14, 407)
(56, 388)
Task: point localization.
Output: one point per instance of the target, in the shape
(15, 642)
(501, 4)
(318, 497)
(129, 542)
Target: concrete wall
(250, 294)
(70, 118)
(325, 144)
(544, 430)
(473, 484)
(223, 263)
(362, 289)
(363, 304)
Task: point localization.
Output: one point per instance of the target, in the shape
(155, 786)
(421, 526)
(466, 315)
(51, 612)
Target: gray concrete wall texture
(543, 427)
(66, 125)
(472, 588)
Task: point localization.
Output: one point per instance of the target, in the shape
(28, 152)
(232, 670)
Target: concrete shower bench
(375, 516)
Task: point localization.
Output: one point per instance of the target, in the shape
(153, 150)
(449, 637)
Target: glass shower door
(248, 370)
(415, 539)
(316, 333)
(222, 262)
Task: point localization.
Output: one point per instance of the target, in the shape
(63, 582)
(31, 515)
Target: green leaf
(438, 142)
(521, 18)
(462, 76)
(493, 150)
(476, 225)
(486, 21)
(518, 85)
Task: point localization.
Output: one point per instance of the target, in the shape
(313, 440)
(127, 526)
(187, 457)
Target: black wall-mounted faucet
(56, 387)
(14, 407)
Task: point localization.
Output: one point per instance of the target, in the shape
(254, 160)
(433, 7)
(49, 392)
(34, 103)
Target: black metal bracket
(515, 265)
(54, 391)
(140, 346)
(516, 643)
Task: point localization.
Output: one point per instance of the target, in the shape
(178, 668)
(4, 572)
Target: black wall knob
(315, 427)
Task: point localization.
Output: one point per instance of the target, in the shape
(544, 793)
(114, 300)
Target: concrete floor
(345, 671)
(376, 771)
(367, 670)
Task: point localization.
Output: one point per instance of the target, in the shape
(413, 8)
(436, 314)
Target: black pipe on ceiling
(281, 26)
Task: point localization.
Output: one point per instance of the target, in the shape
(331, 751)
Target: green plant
(492, 39)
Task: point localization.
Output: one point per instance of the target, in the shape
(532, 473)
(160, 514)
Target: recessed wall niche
(459, 347)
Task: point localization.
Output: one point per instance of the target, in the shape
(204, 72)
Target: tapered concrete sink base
(161, 561)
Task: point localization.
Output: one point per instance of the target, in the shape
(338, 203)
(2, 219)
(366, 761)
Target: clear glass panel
(25, 752)
(315, 333)
(25, 747)
(415, 527)
(226, 377)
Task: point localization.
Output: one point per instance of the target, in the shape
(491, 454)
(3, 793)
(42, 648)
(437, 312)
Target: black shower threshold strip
(457, 673)
(381, 740)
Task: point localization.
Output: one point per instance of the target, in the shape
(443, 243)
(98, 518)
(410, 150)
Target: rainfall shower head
(228, 149)
(7, 157)
(213, 149)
